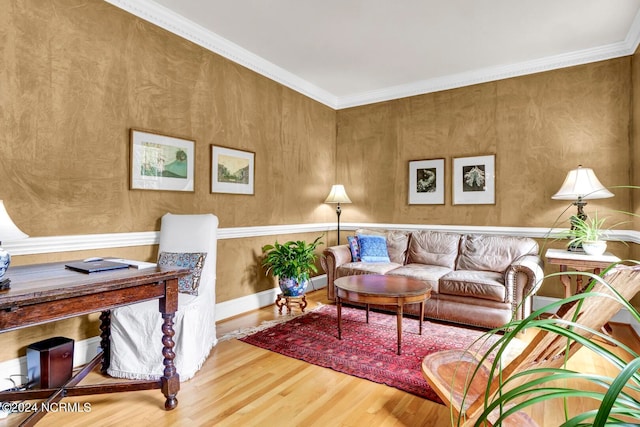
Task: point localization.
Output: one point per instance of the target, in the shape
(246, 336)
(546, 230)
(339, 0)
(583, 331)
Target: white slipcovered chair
(136, 336)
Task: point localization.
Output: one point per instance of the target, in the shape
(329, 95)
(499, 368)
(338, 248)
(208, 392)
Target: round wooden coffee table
(381, 290)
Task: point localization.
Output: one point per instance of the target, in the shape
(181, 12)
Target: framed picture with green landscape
(232, 171)
(161, 162)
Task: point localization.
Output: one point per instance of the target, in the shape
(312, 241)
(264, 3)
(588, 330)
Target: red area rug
(366, 350)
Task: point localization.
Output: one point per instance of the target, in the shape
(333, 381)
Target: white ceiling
(345, 53)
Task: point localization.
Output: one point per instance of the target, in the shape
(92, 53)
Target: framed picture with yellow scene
(232, 171)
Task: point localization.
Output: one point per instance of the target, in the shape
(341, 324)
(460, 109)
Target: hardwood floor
(242, 385)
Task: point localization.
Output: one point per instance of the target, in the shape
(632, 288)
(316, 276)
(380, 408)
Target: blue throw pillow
(373, 248)
(354, 247)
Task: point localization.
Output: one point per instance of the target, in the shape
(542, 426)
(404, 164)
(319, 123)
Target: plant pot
(594, 248)
(291, 288)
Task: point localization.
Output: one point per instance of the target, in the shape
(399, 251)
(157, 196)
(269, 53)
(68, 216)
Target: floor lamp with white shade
(338, 195)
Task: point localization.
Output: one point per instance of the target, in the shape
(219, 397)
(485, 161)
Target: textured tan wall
(76, 75)
(538, 126)
(635, 139)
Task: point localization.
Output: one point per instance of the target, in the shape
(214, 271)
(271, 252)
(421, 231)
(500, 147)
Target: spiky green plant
(618, 396)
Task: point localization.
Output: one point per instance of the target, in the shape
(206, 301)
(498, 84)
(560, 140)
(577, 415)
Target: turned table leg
(171, 379)
(105, 339)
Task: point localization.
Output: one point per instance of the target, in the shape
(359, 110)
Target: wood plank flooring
(242, 385)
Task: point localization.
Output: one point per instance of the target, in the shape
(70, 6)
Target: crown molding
(176, 24)
(170, 21)
(489, 74)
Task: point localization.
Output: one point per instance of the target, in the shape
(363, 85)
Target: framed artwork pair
(473, 181)
(162, 162)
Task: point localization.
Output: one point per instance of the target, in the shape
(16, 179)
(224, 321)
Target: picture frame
(232, 170)
(426, 182)
(161, 162)
(474, 180)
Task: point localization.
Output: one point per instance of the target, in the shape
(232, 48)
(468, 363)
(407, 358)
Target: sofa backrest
(433, 248)
(397, 242)
(483, 252)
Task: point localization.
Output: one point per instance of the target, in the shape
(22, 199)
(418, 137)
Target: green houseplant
(292, 263)
(589, 234)
(616, 397)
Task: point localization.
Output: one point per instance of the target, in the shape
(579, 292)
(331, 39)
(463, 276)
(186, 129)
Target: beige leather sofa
(478, 280)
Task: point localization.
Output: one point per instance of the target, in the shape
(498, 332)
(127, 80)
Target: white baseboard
(85, 350)
(227, 309)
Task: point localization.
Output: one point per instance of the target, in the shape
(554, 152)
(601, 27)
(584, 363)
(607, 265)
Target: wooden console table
(44, 293)
(578, 262)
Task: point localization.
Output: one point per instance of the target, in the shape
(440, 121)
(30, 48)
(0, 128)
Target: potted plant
(615, 404)
(292, 262)
(588, 234)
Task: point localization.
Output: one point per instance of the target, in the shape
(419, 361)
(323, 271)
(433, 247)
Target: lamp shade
(8, 230)
(338, 195)
(581, 183)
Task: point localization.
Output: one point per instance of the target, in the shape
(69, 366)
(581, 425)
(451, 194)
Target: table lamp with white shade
(581, 184)
(8, 232)
(338, 195)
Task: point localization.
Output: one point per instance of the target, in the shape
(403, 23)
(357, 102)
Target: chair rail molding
(52, 244)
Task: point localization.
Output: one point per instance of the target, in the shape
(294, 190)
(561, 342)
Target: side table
(578, 261)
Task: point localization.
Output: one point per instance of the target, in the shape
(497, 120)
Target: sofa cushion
(354, 248)
(373, 248)
(355, 268)
(397, 242)
(433, 248)
(430, 274)
(492, 253)
(487, 285)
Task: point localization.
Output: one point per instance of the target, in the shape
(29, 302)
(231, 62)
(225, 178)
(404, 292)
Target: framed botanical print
(161, 162)
(426, 182)
(474, 180)
(232, 171)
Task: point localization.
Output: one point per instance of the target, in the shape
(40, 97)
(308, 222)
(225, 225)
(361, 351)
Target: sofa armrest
(523, 278)
(333, 258)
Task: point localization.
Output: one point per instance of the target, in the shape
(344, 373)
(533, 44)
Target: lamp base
(575, 248)
(5, 285)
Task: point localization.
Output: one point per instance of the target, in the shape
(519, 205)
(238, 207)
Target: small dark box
(50, 362)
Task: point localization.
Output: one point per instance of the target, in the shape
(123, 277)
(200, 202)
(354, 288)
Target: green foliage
(586, 230)
(590, 229)
(618, 395)
(293, 259)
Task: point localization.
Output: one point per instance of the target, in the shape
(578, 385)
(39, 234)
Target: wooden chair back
(450, 373)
